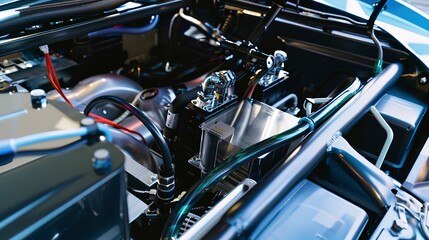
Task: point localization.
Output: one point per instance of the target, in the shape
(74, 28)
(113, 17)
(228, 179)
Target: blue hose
(126, 30)
(12, 146)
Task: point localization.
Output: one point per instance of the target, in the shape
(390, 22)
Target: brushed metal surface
(252, 122)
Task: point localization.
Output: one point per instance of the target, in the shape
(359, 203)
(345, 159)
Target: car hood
(404, 22)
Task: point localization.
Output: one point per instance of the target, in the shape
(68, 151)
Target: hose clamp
(309, 121)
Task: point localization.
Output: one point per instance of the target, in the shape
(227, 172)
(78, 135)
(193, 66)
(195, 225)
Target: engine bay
(210, 120)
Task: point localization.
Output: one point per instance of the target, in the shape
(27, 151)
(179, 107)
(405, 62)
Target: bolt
(148, 94)
(101, 161)
(423, 80)
(87, 122)
(270, 62)
(153, 178)
(38, 98)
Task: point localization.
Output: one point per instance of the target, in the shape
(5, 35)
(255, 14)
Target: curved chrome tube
(99, 85)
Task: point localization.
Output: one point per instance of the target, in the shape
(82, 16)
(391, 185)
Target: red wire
(251, 90)
(54, 79)
(113, 124)
(252, 85)
(56, 85)
(54, 74)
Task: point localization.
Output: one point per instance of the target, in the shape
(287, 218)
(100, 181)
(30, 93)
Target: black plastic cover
(60, 196)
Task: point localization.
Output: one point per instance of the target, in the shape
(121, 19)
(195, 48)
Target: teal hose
(225, 168)
(174, 222)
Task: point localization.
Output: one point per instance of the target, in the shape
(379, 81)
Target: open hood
(407, 24)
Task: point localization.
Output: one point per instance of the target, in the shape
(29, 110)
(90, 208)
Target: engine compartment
(235, 119)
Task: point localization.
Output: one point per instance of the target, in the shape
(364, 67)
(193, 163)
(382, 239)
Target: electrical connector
(44, 49)
(7, 146)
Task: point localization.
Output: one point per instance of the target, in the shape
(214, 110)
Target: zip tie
(309, 121)
(378, 66)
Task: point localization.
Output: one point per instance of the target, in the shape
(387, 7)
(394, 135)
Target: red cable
(113, 124)
(253, 82)
(251, 90)
(54, 74)
(54, 79)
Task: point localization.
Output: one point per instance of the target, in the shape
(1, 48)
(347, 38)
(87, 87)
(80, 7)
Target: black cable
(264, 23)
(204, 28)
(189, 71)
(297, 8)
(162, 144)
(180, 102)
(370, 31)
(175, 110)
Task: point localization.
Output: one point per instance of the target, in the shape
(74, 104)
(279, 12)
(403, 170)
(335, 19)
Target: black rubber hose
(180, 102)
(176, 108)
(297, 6)
(370, 31)
(38, 15)
(205, 29)
(162, 144)
(264, 23)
